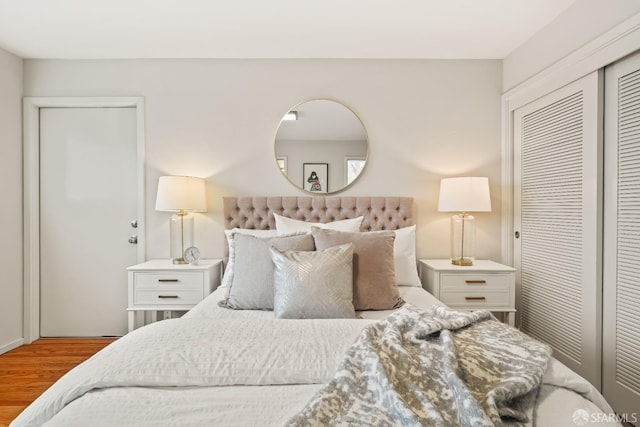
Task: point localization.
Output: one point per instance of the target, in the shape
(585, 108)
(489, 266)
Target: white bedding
(212, 367)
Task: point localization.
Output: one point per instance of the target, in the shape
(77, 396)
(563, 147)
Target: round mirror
(321, 146)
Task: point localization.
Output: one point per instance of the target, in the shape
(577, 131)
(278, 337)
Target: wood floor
(27, 371)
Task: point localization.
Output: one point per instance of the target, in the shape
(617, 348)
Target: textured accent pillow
(228, 271)
(286, 225)
(313, 285)
(404, 257)
(374, 277)
(251, 284)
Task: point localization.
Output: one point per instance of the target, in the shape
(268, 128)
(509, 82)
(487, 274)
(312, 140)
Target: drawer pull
(475, 282)
(168, 280)
(168, 296)
(475, 298)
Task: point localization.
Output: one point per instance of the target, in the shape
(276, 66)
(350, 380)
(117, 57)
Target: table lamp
(464, 195)
(181, 194)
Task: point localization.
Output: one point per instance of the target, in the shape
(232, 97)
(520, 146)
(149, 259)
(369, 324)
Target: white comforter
(211, 368)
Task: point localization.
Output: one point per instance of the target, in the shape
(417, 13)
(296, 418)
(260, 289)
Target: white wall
(11, 196)
(217, 119)
(582, 22)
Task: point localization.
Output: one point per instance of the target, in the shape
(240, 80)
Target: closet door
(557, 218)
(621, 356)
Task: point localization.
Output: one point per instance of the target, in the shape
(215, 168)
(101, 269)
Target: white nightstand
(160, 285)
(486, 285)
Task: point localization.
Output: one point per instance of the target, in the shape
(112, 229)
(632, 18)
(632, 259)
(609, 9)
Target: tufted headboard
(380, 213)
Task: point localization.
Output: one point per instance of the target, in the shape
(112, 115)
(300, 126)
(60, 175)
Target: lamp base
(463, 262)
(181, 229)
(463, 239)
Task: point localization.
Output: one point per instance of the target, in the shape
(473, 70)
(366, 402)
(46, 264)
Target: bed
(231, 361)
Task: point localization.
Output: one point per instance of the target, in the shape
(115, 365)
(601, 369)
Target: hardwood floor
(29, 370)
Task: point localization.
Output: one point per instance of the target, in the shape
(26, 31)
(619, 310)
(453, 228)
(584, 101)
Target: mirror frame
(277, 158)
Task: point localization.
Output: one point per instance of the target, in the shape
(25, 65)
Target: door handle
(134, 223)
(133, 240)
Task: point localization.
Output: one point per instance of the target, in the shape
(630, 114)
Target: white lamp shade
(464, 194)
(181, 193)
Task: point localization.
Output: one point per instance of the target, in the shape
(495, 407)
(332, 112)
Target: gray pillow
(374, 277)
(314, 285)
(228, 271)
(251, 285)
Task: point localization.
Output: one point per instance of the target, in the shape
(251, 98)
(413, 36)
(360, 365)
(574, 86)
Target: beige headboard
(380, 213)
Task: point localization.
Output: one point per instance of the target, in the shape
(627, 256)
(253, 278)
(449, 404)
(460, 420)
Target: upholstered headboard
(380, 213)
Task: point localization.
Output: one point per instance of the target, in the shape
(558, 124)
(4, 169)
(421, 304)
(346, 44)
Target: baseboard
(10, 346)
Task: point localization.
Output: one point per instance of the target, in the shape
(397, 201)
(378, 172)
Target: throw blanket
(436, 368)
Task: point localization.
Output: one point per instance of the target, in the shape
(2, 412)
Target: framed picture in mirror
(315, 177)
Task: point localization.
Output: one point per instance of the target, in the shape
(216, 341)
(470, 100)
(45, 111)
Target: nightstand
(160, 285)
(485, 285)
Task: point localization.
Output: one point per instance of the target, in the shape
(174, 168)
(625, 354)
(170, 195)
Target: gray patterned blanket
(433, 368)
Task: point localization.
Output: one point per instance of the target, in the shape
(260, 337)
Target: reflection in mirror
(282, 164)
(354, 166)
(324, 133)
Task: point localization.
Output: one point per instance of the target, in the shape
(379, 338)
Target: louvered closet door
(621, 317)
(557, 213)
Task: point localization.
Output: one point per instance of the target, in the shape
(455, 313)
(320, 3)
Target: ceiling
(447, 29)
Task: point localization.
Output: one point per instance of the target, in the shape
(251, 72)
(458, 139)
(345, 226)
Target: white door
(621, 338)
(88, 200)
(558, 219)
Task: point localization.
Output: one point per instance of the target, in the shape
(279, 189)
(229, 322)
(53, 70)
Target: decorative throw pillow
(251, 284)
(314, 285)
(404, 257)
(374, 277)
(286, 225)
(228, 271)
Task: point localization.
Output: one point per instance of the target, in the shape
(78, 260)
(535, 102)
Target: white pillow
(228, 272)
(404, 257)
(286, 225)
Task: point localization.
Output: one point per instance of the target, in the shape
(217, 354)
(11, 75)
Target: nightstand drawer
(174, 280)
(476, 299)
(168, 297)
(472, 281)
(484, 285)
(160, 286)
